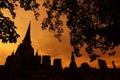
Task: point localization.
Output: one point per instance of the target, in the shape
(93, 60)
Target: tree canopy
(94, 23)
(7, 27)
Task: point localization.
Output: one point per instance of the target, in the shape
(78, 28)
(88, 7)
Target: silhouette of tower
(25, 52)
(72, 63)
(102, 64)
(46, 61)
(57, 65)
(46, 64)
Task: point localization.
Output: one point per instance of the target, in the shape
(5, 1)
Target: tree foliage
(7, 27)
(94, 23)
(91, 22)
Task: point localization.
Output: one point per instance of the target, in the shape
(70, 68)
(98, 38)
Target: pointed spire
(72, 57)
(72, 62)
(27, 36)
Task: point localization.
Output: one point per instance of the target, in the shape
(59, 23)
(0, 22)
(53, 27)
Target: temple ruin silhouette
(25, 65)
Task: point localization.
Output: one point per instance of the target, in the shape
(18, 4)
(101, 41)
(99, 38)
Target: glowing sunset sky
(45, 42)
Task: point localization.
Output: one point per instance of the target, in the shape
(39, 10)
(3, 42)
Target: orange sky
(45, 42)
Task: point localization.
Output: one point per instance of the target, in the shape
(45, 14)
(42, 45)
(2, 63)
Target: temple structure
(24, 64)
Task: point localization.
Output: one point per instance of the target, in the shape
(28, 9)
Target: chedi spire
(27, 36)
